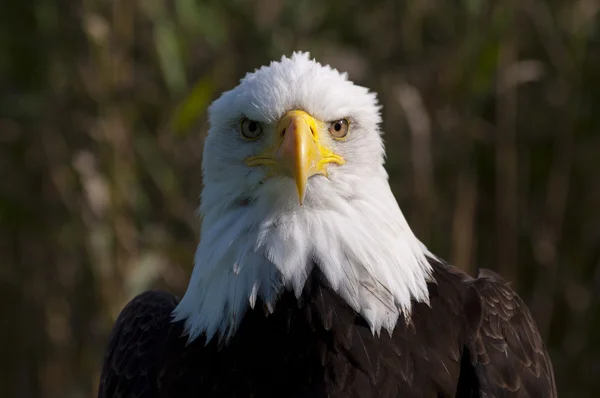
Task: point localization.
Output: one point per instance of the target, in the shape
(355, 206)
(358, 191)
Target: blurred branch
(419, 124)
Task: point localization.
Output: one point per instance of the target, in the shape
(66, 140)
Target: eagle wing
(506, 349)
(132, 360)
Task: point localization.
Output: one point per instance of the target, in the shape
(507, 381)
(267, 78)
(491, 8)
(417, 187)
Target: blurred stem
(549, 234)
(463, 224)
(119, 131)
(506, 159)
(546, 240)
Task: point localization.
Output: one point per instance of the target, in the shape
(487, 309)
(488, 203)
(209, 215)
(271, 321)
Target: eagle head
(294, 178)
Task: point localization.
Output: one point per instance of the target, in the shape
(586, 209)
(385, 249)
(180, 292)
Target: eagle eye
(339, 128)
(250, 129)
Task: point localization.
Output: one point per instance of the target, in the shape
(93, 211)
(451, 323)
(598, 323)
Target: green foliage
(193, 105)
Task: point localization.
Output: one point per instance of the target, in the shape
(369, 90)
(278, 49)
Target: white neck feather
(356, 234)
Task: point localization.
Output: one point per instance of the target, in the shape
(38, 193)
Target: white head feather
(257, 240)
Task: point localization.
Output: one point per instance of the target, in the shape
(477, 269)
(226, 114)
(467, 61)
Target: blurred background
(492, 129)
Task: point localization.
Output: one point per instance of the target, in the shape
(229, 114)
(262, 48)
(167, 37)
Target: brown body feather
(476, 339)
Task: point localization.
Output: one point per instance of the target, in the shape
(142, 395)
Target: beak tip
(301, 198)
(301, 194)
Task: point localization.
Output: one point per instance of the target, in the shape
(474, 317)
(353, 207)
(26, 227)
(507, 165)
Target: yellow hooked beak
(297, 151)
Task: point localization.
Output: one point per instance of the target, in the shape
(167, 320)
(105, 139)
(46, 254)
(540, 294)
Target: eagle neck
(361, 243)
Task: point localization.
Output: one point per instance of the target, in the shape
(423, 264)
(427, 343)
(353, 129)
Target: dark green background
(492, 129)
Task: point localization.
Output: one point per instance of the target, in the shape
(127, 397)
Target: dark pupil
(252, 127)
(338, 126)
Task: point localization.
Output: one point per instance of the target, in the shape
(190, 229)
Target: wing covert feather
(132, 359)
(507, 351)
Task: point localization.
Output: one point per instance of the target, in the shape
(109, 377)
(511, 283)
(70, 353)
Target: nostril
(283, 132)
(314, 133)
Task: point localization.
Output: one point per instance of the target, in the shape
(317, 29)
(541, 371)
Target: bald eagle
(308, 281)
